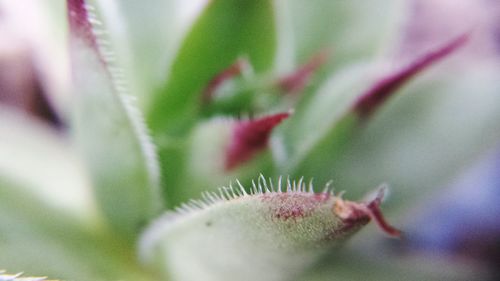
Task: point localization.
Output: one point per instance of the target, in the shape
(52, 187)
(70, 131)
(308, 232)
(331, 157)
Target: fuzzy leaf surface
(265, 235)
(109, 128)
(144, 38)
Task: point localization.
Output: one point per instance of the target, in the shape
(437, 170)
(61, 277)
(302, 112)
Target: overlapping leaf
(354, 29)
(224, 31)
(46, 218)
(331, 116)
(425, 137)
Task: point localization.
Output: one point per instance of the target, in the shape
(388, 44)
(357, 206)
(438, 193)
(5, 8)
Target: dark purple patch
(21, 86)
(250, 137)
(43, 107)
(286, 206)
(233, 70)
(372, 99)
(297, 80)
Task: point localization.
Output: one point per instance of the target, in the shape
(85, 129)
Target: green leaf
(323, 118)
(25, 146)
(270, 234)
(49, 225)
(333, 114)
(353, 29)
(109, 129)
(225, 31)
(40, 240)
(427, 135)
(145, 38)
(322, 113)
(206, 163)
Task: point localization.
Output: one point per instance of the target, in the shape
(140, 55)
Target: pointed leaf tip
(372, 99)
(376, 214)
(250, 137)
(354, 212)
(298, 79)
(218, 80)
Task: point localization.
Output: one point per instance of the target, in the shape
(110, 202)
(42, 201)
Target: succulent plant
(208, 149)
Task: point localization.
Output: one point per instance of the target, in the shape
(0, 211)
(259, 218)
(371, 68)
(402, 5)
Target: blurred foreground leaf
(46, 212)
(40, 240)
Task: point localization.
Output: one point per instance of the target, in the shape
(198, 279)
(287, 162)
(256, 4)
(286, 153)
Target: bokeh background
(436, 145)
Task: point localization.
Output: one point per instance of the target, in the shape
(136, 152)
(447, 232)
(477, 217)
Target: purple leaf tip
(372, 99)
(373, 208)
(297, 80)
(250, 137)
(352, 212)
(79, 23)
(231, 71)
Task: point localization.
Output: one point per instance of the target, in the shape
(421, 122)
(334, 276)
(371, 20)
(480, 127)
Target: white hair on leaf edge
(223, 195)
(126, 99)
